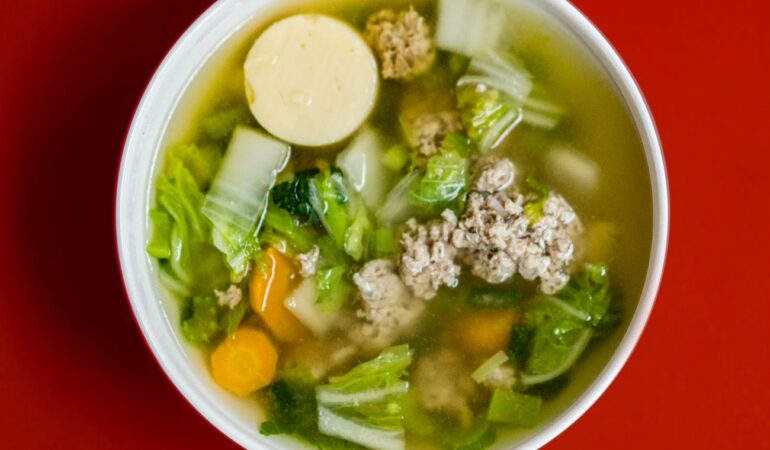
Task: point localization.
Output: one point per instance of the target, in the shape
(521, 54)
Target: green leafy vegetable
(204, 320)
(300, 238)
(160, 242)
(493, 298)
(293, 410)
(364, 406)
(520, 344)
(491, 95)
(220, 126)
(238, 198)
(181, 236)
(329, 197)
(446, 177)
(534, 208)
(201, 326)
(480, 438)
(202, 162)
(334, 288)
(397, 205)
(358, 234)
(514, 408)
(550, 389)
(560, 337)
(294, 196)
(589, 292)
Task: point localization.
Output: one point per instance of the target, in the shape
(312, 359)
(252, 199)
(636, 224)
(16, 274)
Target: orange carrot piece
(269, 287)
(245, 362)
(484, 332)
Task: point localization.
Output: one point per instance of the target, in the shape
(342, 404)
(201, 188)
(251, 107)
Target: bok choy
(364, 406)
(236, 203)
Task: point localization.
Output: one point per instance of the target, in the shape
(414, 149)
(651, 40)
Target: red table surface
(75, 373)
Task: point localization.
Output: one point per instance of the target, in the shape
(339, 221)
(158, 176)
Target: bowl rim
(576, 24)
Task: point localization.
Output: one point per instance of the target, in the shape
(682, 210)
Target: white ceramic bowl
(158, 320)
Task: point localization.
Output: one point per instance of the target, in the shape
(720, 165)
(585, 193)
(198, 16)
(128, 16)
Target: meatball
(402, 41)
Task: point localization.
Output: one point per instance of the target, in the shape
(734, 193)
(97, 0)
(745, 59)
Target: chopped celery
(238, 197)
(396, 158)
(514, 408)
(483, 371)
(469, 27)
(160, 242)
(358, 234)
(384, 243)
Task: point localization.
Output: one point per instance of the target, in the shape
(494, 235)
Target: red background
(74, 372)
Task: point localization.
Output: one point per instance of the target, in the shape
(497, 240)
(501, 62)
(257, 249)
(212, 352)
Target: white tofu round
(311, 80)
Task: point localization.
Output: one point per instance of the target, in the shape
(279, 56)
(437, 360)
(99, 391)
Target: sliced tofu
(311, 80)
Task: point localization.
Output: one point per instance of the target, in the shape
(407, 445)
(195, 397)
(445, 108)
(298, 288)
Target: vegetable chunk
(270, 286)
(244, 363)
(311, 80)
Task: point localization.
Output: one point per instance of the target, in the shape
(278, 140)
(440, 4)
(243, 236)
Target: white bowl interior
(156, 312)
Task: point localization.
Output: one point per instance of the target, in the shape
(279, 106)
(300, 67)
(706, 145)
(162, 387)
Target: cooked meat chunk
(428, 131)
(427, 262)
(402, 41)
(497, 239)
(503, 377)
(308, 262)
(445, 385)
(388, 308)
(231, 297)
(495, 175)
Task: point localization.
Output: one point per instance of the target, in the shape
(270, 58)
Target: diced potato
(311, 80)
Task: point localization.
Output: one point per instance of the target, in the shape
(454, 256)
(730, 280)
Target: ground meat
(494, 175)
(497, 239)
(308, 262)
(388, 308)
(231, 297)
(445, 385)
(427, 262)
(429, 130)
(503, 377)
(402, 41)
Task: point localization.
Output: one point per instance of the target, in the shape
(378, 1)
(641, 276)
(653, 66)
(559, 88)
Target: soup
(387, 228)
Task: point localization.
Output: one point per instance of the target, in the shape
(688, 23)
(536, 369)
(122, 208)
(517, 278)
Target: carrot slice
(269, 287)
(244, 362)
(484, 332)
